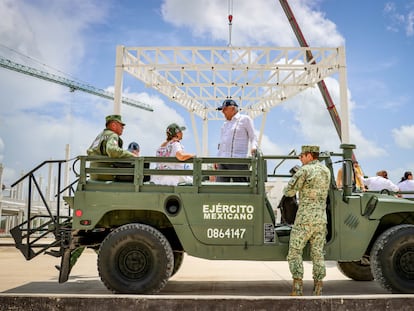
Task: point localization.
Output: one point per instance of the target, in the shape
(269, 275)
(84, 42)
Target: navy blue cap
(227, 103)
(133, 146)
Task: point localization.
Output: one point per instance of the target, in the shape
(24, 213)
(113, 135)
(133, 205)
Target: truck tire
(178, 261)
(135, 259)
(392, 259)
(64, 268)
(359, 270)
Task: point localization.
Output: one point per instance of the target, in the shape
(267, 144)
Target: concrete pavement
(195, 277)
(199, 284)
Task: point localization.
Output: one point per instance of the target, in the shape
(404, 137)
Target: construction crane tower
(72, 84)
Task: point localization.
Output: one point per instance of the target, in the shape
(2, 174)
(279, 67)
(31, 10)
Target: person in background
(380, 182)
(172, 147)
(358, 177)
(339, 178)
(133, 147)
(237, 133)
(311, 181)
(407, 176)
(109, 143)
(406, 184)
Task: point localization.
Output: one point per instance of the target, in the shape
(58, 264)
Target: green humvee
(141, 230)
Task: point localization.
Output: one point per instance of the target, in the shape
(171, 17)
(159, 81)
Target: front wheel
(392, 259)
(135, 259)
(359, 270)
(178, 261)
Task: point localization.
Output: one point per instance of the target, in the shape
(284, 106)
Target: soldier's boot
(297, 288)
(317, 288)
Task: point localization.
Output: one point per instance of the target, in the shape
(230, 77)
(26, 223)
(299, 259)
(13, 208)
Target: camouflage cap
(306, 149)
(114, 117)
(173, 129)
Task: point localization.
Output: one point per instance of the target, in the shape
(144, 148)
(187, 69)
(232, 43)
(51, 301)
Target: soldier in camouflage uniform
(312, 183)
(109, 143)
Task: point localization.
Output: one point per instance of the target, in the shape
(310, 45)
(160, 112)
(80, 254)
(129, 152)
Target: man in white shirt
(380, 182)
(237, 133)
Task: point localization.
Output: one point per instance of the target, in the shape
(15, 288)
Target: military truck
(142, 230)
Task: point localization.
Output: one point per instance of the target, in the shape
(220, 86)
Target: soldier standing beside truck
(312, 183)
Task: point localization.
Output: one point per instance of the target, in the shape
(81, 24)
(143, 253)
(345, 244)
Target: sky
(77, 39)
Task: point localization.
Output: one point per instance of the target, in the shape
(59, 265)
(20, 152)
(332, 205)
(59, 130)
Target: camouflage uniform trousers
(299, 236)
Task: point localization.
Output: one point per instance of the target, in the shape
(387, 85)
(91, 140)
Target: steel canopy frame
(258, 78)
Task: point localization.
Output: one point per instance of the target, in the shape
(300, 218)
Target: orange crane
(322, 86)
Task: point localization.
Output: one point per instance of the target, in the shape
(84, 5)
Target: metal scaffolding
(258, 78)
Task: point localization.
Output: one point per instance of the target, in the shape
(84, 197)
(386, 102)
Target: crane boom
(73, 85)
(321, 84)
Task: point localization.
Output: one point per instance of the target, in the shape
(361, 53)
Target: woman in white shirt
(407, 184)
(172, 147)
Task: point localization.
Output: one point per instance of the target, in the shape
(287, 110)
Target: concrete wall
(199, 303)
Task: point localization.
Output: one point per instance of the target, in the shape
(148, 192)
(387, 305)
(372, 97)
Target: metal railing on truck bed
(132, 174)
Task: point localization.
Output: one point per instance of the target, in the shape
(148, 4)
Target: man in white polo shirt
(380, 182)
(237, 133)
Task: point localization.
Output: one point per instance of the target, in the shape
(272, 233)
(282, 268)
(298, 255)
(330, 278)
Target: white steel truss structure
(258, 78)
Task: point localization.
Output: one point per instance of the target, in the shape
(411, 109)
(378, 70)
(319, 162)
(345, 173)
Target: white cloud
(1, 149)
(409, 28)
(400, 18)
(50, 32)
(316, 126)
(366, 149)
(260, 22)
(35, 116)
(268, 145)
(404, 136)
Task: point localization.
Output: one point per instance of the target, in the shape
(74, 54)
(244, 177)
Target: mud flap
(68, 260)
